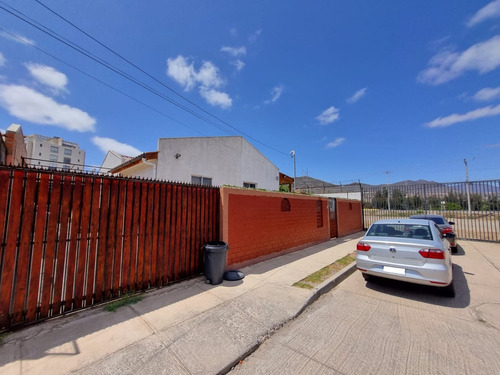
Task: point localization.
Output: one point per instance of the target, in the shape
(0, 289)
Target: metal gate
(473, 206)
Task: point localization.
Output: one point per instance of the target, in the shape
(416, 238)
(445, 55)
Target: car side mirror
(451, 222)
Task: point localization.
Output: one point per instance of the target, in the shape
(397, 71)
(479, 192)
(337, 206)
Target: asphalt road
(388, 327)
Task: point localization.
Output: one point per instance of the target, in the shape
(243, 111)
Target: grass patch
(319, 276)
(128, 299)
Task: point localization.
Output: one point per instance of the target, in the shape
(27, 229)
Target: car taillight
(447, 230)
(361, 246)
(432, 253)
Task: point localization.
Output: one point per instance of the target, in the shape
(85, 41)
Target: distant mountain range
(314, 185)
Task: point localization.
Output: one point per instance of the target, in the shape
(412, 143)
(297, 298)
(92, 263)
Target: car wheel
(366, 276)
(454, 249)
(449, 291)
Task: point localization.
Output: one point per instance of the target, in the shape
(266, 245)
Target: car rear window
(400, 230)
(437, 220)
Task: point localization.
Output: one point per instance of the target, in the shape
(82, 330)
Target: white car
(411, 250)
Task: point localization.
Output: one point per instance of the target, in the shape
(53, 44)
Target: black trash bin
(214, 261)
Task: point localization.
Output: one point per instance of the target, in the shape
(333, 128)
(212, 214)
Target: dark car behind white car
(445, 226)
(411, 250)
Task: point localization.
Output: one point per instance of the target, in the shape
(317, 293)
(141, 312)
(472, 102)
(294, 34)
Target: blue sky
(355, 88)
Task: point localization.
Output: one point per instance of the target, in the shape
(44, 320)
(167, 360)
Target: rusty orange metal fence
(70, 241)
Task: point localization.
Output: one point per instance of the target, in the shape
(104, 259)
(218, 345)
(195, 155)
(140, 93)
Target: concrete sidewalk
(188, 328)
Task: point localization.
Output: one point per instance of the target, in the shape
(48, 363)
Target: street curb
(322, 289)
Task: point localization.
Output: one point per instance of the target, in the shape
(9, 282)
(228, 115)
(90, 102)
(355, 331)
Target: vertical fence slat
(93, 241)
(76, 211)
(128, 237)
(155, 236)
(60, 281)
(177, 232)
(117, 267)
(20, 291)
(81, 265)
(136, 218)
(102, 247)
(148, 243)
(38, 242)
(48, 273)
(9, 260)
(162, 205)
(142, 237)
(111, 240)
(168, 235)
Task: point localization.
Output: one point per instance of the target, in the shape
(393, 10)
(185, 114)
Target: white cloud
(328, 116)
(275, 94)
(16, 38)
(491, 10)
(216, 98)
(445, 66)
(48, 76)
(238, 64)
(207, 79)
(2, 131)
(182, 72)
(253, 37)
(335, 143)
(3, 60)
(235, 51)
(442, 122)
(487, 94)
(27, 104)
(357, 95)
(208, 75)
(110, 144)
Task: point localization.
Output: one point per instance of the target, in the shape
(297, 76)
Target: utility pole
(467, 186)
(388, 195)
(292, 154)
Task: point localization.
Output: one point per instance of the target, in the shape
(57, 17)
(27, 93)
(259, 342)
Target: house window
(54, 149)
(53, 158)
(66, 168)
(250, 185)
(67, 151)
(39, 154)
(67, 160)
(41, 145)
(199, 180)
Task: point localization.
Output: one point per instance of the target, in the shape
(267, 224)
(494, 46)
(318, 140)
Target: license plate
(398, 271)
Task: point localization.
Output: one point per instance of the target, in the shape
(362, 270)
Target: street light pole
(388, 194)
(292, 154)
(467, 186)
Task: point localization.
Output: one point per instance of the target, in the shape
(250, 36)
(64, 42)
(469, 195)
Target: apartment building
(54, 153)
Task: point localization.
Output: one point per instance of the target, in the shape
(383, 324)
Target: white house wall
(226, 160)
(256, 168)
(141, 170)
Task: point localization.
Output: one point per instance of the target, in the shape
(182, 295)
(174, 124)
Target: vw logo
(392, 250)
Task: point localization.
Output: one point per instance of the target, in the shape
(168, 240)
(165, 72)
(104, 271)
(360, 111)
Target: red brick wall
(256, 228)
(349, 218)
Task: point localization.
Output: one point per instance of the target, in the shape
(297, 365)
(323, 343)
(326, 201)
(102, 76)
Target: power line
(100, 81)
(137, 67)
(88, 54)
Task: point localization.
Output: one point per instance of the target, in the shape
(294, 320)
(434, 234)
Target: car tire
(454, 249)
(448, 291)
(366, 276)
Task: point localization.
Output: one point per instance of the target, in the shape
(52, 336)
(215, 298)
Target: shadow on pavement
(424, 293)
